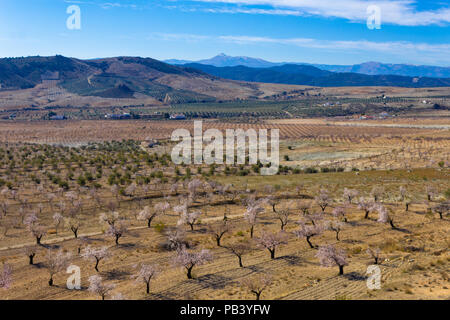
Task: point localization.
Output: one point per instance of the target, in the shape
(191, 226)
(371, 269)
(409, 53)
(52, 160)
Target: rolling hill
(368, 68)
(32, 81)
(312, 76)
(108, 78)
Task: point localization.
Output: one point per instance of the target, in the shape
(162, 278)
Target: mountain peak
(368, 68)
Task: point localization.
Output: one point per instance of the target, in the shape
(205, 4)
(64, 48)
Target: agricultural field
(348, 195)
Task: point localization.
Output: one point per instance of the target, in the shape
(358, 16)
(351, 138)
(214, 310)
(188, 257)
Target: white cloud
(178, 37)
(398, 12)
(424, 52)
(392, 47)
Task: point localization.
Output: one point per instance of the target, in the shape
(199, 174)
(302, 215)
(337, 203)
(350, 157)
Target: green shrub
(160, 227)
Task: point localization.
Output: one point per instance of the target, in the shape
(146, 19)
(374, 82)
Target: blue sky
(313, 31)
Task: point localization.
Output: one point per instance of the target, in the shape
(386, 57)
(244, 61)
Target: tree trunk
(189, 272)
(337, 236)
(341, 270)
(38, 240)
(367, 215)
(407, 206)
(258, 295)
(251, 231)
(50, 282)
(148, 287)
(309, 242)
(218, 241)
(391, 222)
(440, 215)
(272, 253)
(96, 264)
(240, 262)
(31, 258)
(117, 240)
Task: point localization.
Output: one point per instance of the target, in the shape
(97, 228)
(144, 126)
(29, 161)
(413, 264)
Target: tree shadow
(160, 296)
(351, 241)
(213, 281)
(95, 239)
(38, 265)
(355, 276)
(129, 245)
(403, 230)
(254, 268)
(50, 246)
(199, 230)
(291, 260)
(116, 274)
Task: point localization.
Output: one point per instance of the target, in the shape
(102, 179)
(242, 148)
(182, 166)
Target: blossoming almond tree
(257, 284)
(96, 254)
(283, 214)
(375, 253)
(330, 256)
(271, 241)
(239, 249)
(366, 205)
(148, 214)
(336, 226)
(323, 199)
(110, 217)
(32, 223)
(57, 220)
(6, 276)
(193, 188)
(117, 230)
(339, 213)
(30, 252)
(384, 216)
(251, 215)
(350, 194)
(190, 218)
(218, 231)
(442, 209)
(145, 274)
(176, 238)
(98, 287)
(74, 225)
(308, 231)
(189, 260)
(57, 261)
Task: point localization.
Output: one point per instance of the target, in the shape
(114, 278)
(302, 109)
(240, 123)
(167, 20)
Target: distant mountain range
(158, 82)
(312, 76)
(222, 60)
(368, 68)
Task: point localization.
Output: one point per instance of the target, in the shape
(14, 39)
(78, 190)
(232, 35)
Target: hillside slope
(119, 77)
(309, 75)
